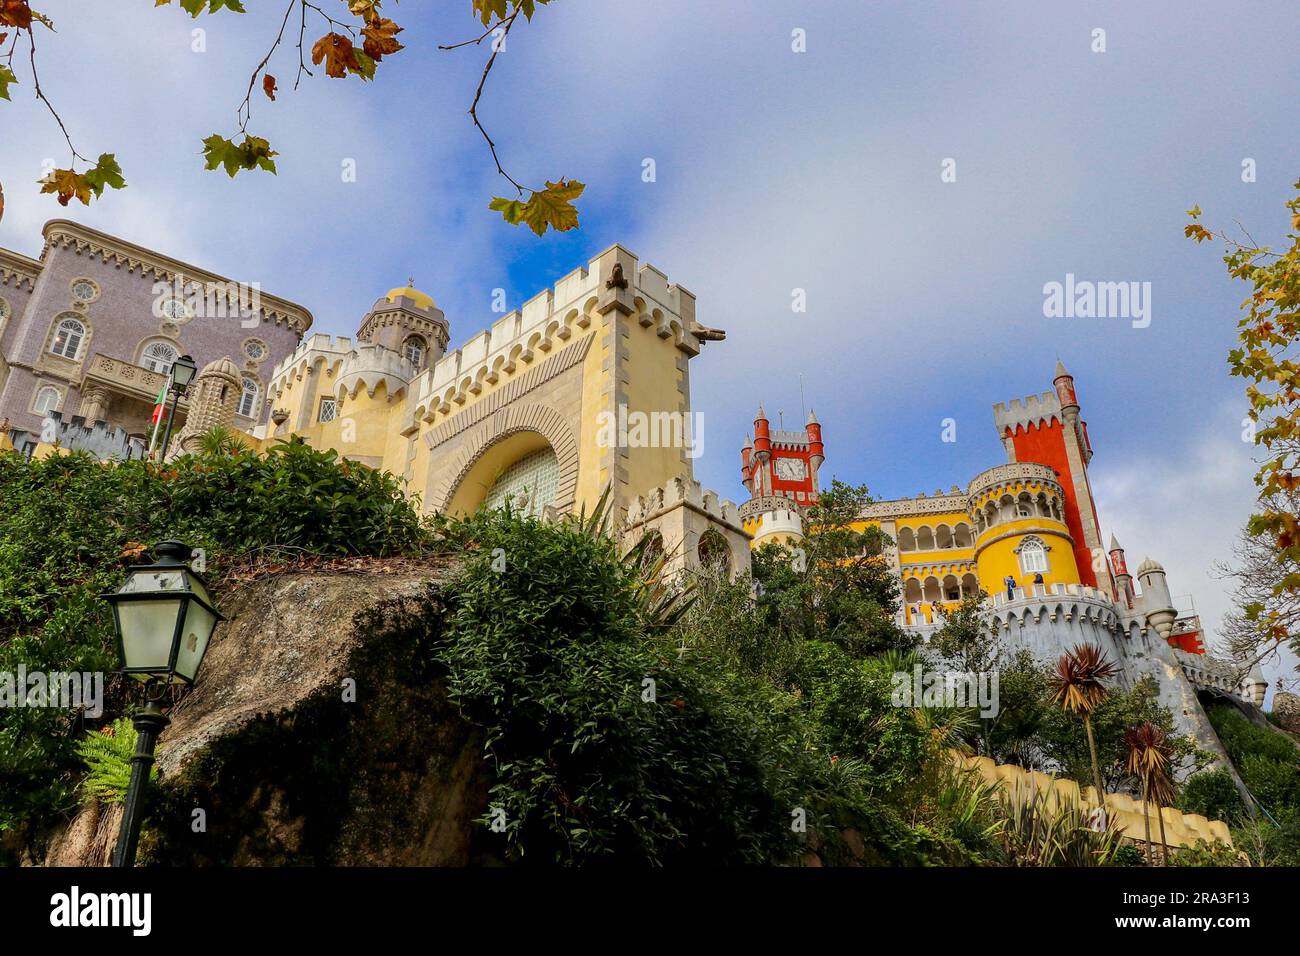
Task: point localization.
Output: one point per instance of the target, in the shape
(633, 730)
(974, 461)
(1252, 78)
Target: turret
(762, 437)
(817, 452)
(746, 478)
(1156, 602)
(407, 321)
(1064, 383)
(1123, 580)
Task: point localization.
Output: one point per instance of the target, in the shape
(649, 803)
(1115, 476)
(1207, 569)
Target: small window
(255, 349)
(84, 290)
(414, 349)
(248, 400)
(328, 409)
(159, 357)
(174, 309)
(47, 400)
(68, 338)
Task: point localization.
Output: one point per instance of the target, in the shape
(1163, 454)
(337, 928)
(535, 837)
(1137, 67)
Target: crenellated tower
(779, 469)
(407, 321)
(1048, 429)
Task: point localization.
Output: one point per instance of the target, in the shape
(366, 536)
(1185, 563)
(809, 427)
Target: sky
(775, 171)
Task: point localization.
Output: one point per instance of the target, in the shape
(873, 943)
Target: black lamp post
(164, 618)
(183, 372)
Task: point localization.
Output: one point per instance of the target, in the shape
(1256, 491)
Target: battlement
(553, 317)
(369, 366)
(951, 502)
(755, 507)
(683, 492)
(313, 347)
(1031, 410)
(991, 479)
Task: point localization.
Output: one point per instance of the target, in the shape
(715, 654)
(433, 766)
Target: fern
(108, 759)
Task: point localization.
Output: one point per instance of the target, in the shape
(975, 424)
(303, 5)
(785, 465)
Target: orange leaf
(381, 38)
(337, 53)
(268, 86)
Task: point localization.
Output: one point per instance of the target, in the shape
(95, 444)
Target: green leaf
(549, 208)
(106, 172)
(6, 78)
(253, 153)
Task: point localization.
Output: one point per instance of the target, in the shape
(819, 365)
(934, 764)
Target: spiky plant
(1077, 687)
(1042, 828)
(1148, 760)
(107, 755)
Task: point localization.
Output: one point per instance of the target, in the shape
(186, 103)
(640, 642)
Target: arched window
(1033, 555)
(47, 400)
(68, 338)
(713, 551)
(414, 348)
(248, 400)
(158, 357)
(527, 486)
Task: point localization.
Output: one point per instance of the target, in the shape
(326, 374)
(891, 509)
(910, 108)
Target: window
(84, 290)
(328, 409)
(174, 309)
(529, 485)
(68, 338)
(255, 349)
(248, 400)
(159, 357)
(1033, 556)
(414, 348)
(47, 400)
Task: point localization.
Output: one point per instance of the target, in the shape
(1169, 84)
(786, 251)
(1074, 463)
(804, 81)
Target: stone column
(94, 405)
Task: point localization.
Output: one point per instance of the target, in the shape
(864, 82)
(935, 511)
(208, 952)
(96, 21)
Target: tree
(353, 46)
(834, 585)
(1267, 611)
(1148, 760)
(1077, 687)
(1266, 359)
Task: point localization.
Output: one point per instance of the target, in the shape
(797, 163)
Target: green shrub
(1213, 795)
(69, 520)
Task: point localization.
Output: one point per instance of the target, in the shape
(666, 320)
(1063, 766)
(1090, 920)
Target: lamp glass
(195, 633)
(155, 579)
(183, 370)
(147, 629)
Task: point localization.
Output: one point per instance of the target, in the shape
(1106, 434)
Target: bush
(1213, 795)
(70, 522)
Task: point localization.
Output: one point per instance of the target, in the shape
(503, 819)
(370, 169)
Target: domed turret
(408, 322)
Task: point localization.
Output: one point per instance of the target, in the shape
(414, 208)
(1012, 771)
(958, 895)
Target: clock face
(791, 469)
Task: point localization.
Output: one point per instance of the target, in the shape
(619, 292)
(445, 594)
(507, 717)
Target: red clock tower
(782, 463)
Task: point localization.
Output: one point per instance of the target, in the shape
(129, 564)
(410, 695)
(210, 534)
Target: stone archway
(512, 430)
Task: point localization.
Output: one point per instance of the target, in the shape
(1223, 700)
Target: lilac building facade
(89, 331)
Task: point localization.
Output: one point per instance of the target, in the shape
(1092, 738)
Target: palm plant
(1148, 760)
(1076, 687)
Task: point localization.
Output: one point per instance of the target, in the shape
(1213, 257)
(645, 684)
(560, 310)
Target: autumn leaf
(2, 202)
(6, 78)
(381, 38)
(341, 57)
(268, 86)
(253, 153)
(68, 183)
(487, 10)
(551, 207)
(16, 13)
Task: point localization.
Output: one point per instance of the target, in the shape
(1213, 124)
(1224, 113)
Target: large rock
(319, 733)
(1286, 708)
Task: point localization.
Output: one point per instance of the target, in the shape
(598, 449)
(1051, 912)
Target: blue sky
(776, 170)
